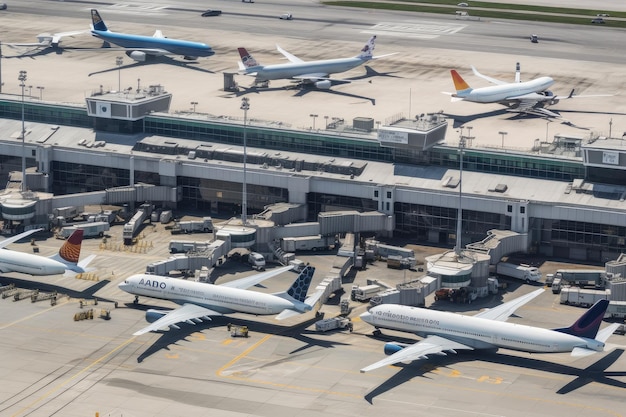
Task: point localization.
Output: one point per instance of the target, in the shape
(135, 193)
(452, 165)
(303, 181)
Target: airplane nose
(367, 317)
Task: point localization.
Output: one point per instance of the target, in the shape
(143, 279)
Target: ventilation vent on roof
(450, 182)
(500, 188)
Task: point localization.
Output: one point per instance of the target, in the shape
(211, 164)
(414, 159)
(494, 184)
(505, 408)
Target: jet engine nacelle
(323, 85)
(393, 347)
(550, 95)
(153, 315)
(137, 56)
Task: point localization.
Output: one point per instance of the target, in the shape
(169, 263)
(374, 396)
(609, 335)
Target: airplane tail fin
(368, 50)
(300, 286)
(588, 324)
(69, 254)
(518, 73)
(246, 59)
(462, 88)
(97, 22)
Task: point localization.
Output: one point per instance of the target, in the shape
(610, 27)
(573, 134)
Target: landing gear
(136, 300)
(377, 333)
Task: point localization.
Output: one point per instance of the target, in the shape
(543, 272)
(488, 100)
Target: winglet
(588, 324)
(97, 22)
(247, 59)
(368, 50)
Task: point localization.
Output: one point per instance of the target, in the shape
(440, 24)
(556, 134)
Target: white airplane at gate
(445, 332)
(311, 72)
(199, 301)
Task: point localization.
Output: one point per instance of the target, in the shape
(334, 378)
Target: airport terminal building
(568, 195)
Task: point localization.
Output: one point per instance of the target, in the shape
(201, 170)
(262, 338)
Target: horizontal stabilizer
(285, 314)
(580, 352)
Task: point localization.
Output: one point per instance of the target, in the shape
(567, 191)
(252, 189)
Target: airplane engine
(323, 85)
(153, 315)
(549, 94)
(190, 58)
(137, 56)
(391, 348)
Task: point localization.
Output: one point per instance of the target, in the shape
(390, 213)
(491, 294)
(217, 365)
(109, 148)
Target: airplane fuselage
(530, 90)
(215, 297)
(171, 46)
(478, 333)
(14, 261)
(320, 68)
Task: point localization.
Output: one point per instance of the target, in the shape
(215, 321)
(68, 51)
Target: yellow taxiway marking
(76, 375)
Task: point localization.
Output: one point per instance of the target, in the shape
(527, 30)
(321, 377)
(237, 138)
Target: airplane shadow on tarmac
(596, 372)
(220, 323)
(154, 61)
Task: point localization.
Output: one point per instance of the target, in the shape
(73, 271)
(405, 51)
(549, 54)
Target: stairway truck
(522, 272)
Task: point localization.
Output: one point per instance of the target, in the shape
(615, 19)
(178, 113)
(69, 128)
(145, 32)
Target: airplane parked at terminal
(445, 332)
(312, 72)
(138, 47)
(531, 97)
(200, 301)
(65, 261)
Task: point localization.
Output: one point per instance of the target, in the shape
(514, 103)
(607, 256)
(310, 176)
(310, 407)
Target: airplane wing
(504, 311)
(289, 56)
(56, 37)
(312, 77)
(491, 80)
(189, 313)
(383, 56)
(15, 238)
(429, 346)
(148, 51)
(253, 280)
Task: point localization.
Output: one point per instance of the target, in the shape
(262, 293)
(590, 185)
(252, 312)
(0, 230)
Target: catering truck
(523, 272)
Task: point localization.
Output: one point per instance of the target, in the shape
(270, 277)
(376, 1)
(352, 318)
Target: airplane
(530, 97)
(66, 261)
(46, 40)
(139, 47)
(200, 301)
(446, 332)
(312, 72)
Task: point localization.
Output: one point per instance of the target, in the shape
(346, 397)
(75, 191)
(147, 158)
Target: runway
(409, 83)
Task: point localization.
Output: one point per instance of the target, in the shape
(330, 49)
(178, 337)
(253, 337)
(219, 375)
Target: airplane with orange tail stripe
(530, 97)
(66, 261)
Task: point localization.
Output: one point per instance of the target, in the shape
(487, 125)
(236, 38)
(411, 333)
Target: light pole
(326, 120)
(313, 116)
(22, 79)
(193, 103)
(40, 92)
(459, 220)
(30, 90)
(547, 124)
(245, 106)
(119, 61)
(503, 135)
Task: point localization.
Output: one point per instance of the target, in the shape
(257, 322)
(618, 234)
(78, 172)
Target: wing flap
(504, 311)
(187, 313)
(429, 346)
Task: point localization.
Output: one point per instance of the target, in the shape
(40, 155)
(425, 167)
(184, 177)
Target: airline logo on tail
(300, 286)
(459, 83)
(70, 251)
(368, 50)
(97, 22)
(247, 59)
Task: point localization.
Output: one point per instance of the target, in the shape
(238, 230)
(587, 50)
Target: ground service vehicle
(334, 323)
(286, 16)
(257, 261)
(211, 12)
(364, 293)
(526, 273)
(91, 229)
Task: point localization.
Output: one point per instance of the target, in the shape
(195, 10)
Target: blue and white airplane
(445, 332)
(199, 301)
(138, 47)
